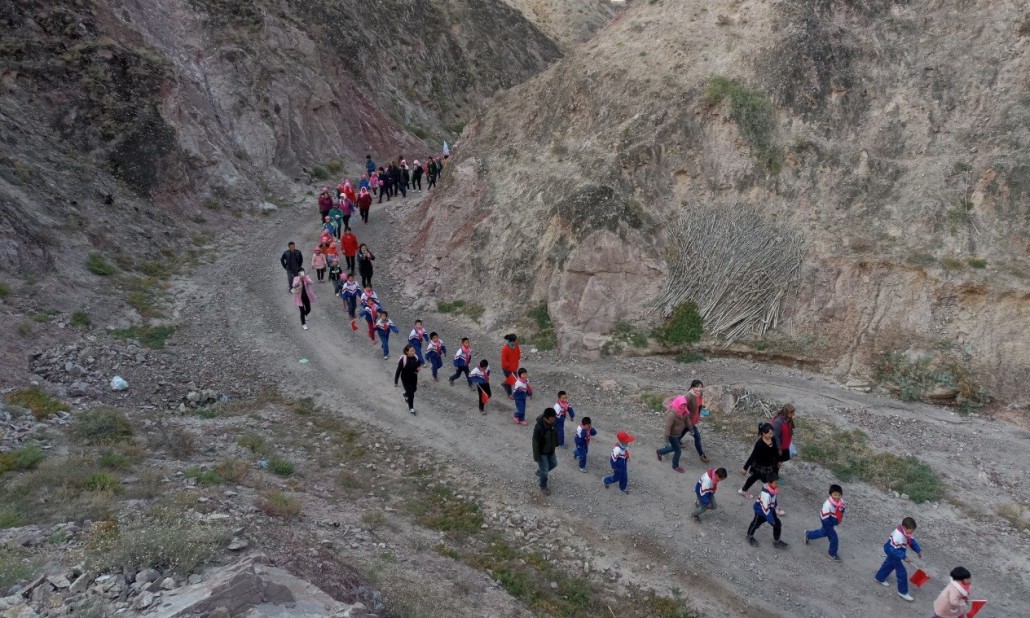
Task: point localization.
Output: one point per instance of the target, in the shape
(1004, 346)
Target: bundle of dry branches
(736, 265)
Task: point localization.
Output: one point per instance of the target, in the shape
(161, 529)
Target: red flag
(919, 578)
(977, 606)
(483, 397)
(510, 380)
(354, 325)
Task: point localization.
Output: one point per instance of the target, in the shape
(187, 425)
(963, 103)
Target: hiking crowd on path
(774, 446)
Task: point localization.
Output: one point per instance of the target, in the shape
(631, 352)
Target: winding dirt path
(711, 563)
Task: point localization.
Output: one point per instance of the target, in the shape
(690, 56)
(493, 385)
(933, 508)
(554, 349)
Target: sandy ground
(241, 305)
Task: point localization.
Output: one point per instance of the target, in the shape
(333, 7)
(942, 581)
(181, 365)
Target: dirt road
(646, 535)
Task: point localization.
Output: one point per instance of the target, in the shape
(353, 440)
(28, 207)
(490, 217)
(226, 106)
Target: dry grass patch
(278, 504)
(102, 426)
(41, 404)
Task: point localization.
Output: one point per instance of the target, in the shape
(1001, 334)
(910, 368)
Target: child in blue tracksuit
(620, 463)
(765, 512)
(583, 434)
(563, 410)
(462, 360)
(384, 326)
(416, 338)
(705, 489)
(370, 309)
(349, 292)
(435, 353)
(521, 391)
(831, 515)
(480, 377)
(896, 551)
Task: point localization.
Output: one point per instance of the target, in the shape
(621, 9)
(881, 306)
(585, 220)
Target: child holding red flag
(521, 391)
(895, 551)
(952, 601)
(480, 376)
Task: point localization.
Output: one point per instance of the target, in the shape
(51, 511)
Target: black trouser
(364, 214)
(410, 386)
(432, 182)
(321, 273)
(366, 281)
(350, 263)
(757, 522)
(480, 389)
(460, 370)
(416, 183)
(346, 224)
(758, 474)
(386, 192)
(403, 188)
(305, 308)
(290, 276)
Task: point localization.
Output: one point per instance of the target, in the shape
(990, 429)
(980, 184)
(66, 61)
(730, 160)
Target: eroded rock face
(836, 121)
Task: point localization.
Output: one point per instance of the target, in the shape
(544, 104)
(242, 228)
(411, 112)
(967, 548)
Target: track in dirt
(713, 565)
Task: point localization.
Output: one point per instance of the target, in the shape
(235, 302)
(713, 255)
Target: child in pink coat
(303, 296)
(318, 263)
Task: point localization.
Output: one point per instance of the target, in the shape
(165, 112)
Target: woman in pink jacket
(303, 296)
(953, 601)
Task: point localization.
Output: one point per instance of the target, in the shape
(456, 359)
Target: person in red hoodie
(364, 202)
(511, 356)
(325, 204)
(349, 243)
(783, 431)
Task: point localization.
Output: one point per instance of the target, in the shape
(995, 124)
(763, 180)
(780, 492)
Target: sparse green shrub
(212, 204)
(281, 467)
(440, 510)
(204, 477)
(626, 332)
(152, 337)
(58, 490)
(848, 456)
(165, 541)
(40, 403)
(977, 263)
(278, 504)
(252, 441)
(80, 318)
(101, 426)
(461, 307)
(915, 377)
(319, 173)
(373, 519)
(755, 118)
(24, 458)
(962, 166)
(97, 264)
(15, 566)
(103, 481)
(921, 258)
(5, 290)
(175, 441)
(115, 461)
(25, 329)
(335, 166)
(683, 326)
(654, 401)
(545, 338)
(952, 263)
(233, 470)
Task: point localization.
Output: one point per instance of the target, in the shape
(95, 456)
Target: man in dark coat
(293, 263)
(545, 441)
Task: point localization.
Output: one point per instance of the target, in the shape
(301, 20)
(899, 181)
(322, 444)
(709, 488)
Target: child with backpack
(349, 292)
(584, 432)
(384, 326)
(895, 552)
(334, 269)
(765, 512)
(831, 516)
(435, 353)
(705, 489)
(620, 463)
(417, 336)
(563, 410)
(480, 377)
(521, 391)
(370, 309)
(462, 359)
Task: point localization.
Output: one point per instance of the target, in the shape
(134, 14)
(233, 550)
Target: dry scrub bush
(278, 504)
(164, 540)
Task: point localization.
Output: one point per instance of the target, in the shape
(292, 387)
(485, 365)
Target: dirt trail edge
(646, 535)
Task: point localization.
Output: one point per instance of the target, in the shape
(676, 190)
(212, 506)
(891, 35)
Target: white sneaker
(304, 326)
(907, 597)
(741, 492)
(885, 584)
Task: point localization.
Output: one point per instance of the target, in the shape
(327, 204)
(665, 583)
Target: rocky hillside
(843, 182)
(133, 132)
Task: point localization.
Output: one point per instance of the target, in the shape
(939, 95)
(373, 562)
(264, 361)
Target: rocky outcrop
(890, 137)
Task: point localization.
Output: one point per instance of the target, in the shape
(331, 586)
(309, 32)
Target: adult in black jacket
(764, 459)
(405, 178)
(365, 269)
(545, 441)
(293, 262)
(384, 185)
(407, 373)
(416, 177)
(395, 179)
